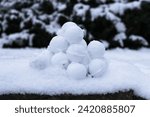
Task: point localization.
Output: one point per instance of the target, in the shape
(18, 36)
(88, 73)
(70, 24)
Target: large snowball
(60, 59)
(76, 52)
(96, 49)
(66, 26)
(76, 71)
(58, 44)
(74, 35)
(97, 67)
(42, 61)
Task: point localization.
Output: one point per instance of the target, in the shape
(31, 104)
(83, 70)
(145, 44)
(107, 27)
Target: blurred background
(33, 23)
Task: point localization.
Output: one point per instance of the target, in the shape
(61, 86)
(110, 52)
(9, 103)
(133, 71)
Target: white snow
(83, 43)
(76, 53)
(138, 38)
(120, 37)
(128, 69)
(19, 37)
(96, 49)
(74, 35)
(120, 27)
(60, 60)
(81, 9)
(119, 8)
(97, 67)
(58, 44)
(76, 71)
(42, 61)
(64, 27)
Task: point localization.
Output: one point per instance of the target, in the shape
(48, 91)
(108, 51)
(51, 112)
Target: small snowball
(60, 59)
(74, 35)
(58, 44)
(96, 49)
(42, 61)
(76, 71)
(97, 67)
(67, 25)
(76, 53)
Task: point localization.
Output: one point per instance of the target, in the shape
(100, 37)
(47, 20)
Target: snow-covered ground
(128, 69)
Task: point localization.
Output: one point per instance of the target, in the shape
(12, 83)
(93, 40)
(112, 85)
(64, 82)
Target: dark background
(25, 23)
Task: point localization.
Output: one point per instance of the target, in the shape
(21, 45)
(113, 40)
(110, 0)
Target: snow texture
(127, 69)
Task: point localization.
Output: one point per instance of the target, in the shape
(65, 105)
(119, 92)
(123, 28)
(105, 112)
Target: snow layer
(127, 69)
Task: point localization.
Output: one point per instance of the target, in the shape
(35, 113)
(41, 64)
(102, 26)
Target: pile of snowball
(69, 51)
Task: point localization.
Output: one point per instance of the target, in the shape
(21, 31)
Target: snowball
(58, 44)
(83, 42)
(76, 52)
(74, 35)
(86, 60)
(60, 59)
(67, 25)
(42, 61)
(96, 49)
(97, 67)
(76, 71)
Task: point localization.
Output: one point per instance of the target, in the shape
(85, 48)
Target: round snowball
(96, 49)
(60, 59)
(86, 61)
(83, 42)
(76, 71)
(58, 44)
(97, 67)
(65, 26)
(42, 61)
(76, 53)
(74, 35)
